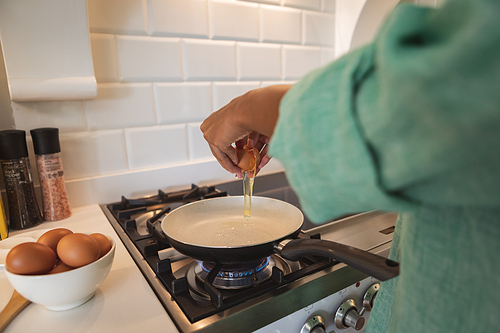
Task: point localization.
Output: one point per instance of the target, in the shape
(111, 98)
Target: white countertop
(123, 303)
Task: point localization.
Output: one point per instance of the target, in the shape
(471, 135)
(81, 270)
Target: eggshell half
(248, 158)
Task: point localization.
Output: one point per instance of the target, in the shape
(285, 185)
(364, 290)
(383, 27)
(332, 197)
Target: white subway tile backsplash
(233, 20)
(258, 61)
(198, 147)
(280, 25)
(182, 102)
(271, 2)
(117, 16)
(120, 105)
(299, 60)
(328, 6)
(224, 92)
(318, 28)
(172, 178)
(162, 67)
(68, 116)
(104, 57)
(184, 18)
(147, 182)
(94, 153)
(80, 192)
(305, 4)
(149, 58)
(327, 55)
(156, 146)
(273, 83)
(205, 60)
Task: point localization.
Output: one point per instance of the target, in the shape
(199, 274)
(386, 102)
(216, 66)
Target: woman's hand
(248, 119)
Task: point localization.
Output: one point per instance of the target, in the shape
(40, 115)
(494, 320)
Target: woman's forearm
(259, 109)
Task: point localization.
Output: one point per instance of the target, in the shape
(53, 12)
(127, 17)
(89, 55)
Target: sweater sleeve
(411, 119)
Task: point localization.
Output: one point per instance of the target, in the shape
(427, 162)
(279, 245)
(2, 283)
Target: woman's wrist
(258, 109)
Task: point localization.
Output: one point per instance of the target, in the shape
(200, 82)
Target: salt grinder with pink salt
(50, 170)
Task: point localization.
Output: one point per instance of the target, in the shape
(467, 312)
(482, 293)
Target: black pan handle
(374, 265)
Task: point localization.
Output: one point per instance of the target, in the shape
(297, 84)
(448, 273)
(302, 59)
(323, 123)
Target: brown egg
(77, 250)
(30, 259)
(103, 241)
(248, 159)
(52, 237)
(59, 268)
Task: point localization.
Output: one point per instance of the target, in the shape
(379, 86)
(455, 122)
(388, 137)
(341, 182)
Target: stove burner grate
(238, 275)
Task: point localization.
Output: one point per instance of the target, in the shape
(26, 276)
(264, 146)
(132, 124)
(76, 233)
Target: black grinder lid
(13, 144)
(45, 140)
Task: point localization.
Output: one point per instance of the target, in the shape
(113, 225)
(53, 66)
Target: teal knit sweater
(411, 123)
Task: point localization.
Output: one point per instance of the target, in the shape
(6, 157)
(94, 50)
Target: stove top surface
(207, 297)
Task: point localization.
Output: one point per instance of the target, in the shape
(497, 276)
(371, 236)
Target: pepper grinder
(51, 174)
(21, 200)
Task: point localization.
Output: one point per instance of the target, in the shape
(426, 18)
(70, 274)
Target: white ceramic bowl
(67, 290)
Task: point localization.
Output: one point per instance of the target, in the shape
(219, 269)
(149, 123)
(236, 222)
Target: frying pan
(215, 230)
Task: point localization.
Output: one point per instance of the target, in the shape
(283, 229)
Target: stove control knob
(347, 316)
(314, 325)
(369, 297)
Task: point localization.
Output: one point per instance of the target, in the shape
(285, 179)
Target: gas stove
(271, 294)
